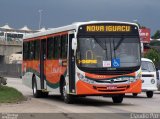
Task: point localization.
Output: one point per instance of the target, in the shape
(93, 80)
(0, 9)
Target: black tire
(66, 97)
(135, 94)
(36, 93)
(149, 94)
(117, 98)
(45, 94)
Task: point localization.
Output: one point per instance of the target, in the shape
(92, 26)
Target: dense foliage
(154, 55)
(155, 43)
(156, 35)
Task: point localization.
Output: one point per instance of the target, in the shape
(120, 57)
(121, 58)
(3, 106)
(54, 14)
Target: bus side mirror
(74, 44)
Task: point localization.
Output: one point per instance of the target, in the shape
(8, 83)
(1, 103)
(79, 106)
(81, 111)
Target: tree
(155, 43)
(156, 35)
(154, 55)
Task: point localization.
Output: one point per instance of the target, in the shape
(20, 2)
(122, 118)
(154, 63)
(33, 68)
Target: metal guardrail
(10, 70)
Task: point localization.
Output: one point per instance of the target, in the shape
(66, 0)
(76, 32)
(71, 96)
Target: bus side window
(36, 49)
(56, 47)
(31, 53)
(50, 47)
(25, 50)
(64, 46)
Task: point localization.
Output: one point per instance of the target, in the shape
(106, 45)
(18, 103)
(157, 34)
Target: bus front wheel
(66, 97)
(117, 98)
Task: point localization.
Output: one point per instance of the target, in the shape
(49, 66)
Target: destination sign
(108, 28)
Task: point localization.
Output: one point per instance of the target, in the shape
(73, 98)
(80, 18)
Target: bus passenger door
(71, 65)
(42, 63)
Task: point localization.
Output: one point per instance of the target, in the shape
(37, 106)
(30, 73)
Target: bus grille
(110, 81)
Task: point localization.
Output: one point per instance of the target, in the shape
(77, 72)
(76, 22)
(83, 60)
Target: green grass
(10, 95)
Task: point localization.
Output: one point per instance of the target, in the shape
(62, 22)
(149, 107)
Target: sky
(55, 13)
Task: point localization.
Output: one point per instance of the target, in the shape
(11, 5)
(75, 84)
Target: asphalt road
(91, 106)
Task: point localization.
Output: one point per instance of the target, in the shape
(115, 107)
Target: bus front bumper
(93, 89)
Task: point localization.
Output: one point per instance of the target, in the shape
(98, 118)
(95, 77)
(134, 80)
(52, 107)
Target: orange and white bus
(97, 58)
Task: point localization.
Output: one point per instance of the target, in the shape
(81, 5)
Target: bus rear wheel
(149, 94)
(66, 97)
(117, 98)
(36, 93)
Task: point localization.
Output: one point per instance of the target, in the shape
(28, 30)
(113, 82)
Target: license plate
(111, 87)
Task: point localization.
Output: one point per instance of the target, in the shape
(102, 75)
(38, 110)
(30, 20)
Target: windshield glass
(118, 52)
(147, 66)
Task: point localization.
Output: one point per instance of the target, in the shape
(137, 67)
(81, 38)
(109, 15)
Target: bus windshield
(99, 52)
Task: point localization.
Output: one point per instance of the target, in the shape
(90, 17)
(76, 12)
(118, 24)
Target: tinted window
(31, 50)
(50, 48)
(64, 46)
(25, 50)
(56, 47)
(36, 49)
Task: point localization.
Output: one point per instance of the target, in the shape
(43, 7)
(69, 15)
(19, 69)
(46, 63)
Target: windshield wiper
(103, 45)
(119, 43)
(99, 43)
(114, 49)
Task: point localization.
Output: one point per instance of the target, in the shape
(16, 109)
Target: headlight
(129, 79)
(83, 78)
(152, 81)
(139, 76)
(132, 79)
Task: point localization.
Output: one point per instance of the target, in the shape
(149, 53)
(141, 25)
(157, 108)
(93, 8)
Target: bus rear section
(100, 58)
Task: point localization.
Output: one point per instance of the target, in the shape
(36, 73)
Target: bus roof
(73, 26)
